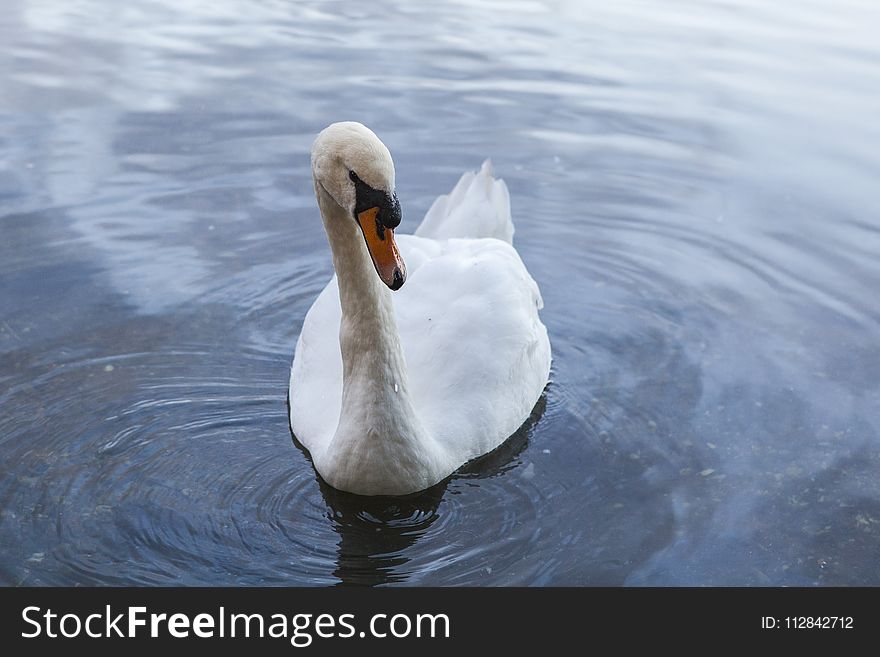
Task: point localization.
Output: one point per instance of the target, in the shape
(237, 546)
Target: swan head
(352, 165)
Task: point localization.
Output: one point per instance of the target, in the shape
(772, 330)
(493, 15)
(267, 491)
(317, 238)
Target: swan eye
(352, 176)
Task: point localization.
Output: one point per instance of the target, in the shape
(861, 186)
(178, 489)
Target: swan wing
(478, 206)
(477, 353)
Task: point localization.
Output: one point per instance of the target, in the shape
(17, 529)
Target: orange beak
(380, 243)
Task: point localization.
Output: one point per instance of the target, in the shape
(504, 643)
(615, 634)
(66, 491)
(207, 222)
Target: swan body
(394, 386)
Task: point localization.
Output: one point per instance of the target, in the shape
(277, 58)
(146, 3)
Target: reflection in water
(375, 532)
(694, 191)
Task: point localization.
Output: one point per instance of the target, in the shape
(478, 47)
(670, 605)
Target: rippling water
(695, 190)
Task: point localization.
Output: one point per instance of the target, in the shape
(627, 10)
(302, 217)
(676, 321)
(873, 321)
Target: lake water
(695, 189)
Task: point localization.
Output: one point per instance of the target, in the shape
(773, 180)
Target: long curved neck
(377, 421)
(368, 335)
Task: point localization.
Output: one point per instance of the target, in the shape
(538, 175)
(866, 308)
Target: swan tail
(478, 206)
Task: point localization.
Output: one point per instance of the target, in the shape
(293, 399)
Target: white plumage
(393, 391)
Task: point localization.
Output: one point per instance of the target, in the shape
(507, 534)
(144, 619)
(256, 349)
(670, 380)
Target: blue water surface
(695, 189)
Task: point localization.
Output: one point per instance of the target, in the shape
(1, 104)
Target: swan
(394, 386)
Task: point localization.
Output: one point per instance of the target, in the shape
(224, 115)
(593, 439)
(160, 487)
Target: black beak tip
(398, 279)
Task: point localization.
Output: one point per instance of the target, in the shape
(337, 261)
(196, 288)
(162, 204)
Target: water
(695, 190)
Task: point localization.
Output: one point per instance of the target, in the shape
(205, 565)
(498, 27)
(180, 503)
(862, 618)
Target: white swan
(392, 391)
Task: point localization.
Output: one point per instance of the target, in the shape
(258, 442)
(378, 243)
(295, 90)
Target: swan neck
(380, 445)
(365, 300)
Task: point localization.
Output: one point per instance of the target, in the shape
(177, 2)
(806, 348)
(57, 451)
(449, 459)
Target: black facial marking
(367, 197)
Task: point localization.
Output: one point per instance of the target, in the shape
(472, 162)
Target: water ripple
(695, 192)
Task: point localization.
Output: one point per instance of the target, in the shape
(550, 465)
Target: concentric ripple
(693, 189)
